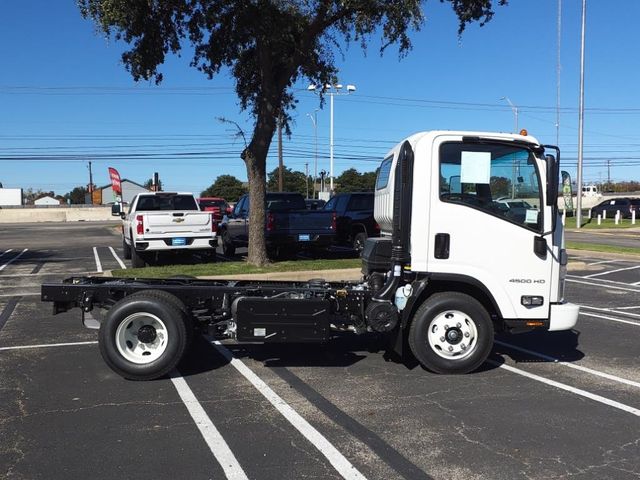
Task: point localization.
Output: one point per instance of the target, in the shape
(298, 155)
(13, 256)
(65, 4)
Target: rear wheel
(136, 259)
(144, 335)
(126, 250)
(228, 248)
(451, 333)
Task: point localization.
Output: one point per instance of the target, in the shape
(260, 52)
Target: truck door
(237, 222)
(486, 220)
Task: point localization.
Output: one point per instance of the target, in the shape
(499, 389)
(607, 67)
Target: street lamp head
(311, 88)
(338, 86)
(351, 88)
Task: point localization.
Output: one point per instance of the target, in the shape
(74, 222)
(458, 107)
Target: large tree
(267, 46)
(292, 181)
(353, 181)
(227, 187)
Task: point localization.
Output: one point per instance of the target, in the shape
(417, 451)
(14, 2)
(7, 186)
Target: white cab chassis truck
(455, 264)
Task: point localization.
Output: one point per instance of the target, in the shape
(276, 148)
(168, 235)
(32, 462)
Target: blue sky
(63, 91)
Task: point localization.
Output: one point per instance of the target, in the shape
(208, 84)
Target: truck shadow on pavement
(346, 351)
(545, 347)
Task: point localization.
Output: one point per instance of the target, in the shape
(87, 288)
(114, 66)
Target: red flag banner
(115, 181)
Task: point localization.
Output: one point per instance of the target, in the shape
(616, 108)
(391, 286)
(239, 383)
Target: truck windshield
(152, 203)
(501, 180)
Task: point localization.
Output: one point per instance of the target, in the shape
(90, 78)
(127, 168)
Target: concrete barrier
(62, 214)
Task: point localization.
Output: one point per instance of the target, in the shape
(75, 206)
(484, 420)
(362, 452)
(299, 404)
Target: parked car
(355, 221)
(216, 205)
(624, 204)
(314, 203)
(289, 226)
(166, 222)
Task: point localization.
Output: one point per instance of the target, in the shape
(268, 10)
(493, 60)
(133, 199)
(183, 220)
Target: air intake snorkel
(402, 199)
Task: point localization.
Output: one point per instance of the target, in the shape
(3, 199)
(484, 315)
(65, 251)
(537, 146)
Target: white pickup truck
(166, 222)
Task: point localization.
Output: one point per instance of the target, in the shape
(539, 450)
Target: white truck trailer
(454, 265)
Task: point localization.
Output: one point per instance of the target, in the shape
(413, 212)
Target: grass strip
(608, 223)
(237, 268)
(597, 247)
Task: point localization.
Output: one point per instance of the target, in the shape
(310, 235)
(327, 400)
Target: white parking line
(568, 388)
(620, 320)
(210, 433)
(98, 264)
(571, 365)
(612, 271)
(602, 285)
(610, 310)
(628, 308)
(601, 262)
(47, 345)
(344, 467)
(6, 251)
(13, 259)
(124, 267)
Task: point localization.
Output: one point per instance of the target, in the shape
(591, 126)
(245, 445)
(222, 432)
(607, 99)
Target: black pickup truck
(289, 226)
(355, 221)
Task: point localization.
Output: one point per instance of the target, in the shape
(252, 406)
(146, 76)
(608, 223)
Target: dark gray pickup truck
(289, 226)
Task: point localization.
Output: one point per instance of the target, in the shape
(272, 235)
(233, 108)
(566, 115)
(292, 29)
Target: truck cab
(462, 235)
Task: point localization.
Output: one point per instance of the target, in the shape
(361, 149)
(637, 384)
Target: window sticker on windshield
(475, 167)
(532, 216)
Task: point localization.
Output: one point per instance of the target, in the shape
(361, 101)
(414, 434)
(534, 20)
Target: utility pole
(280, 161)
(314, 120)
(306, 177)
(558, 67)
(608, 173)
(90, 184)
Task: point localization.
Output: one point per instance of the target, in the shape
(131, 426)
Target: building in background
(105, 195)
(10, 197)
(46, 201)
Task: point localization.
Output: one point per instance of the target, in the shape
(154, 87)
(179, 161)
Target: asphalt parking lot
(546, 405)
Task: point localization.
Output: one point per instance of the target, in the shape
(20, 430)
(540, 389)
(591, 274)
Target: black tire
(465, 315)
(359, 241)
(136, 259)
(228, 248)
(126, 249)
(146, 309)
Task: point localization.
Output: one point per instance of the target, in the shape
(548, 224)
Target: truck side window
(501, 180)
(383, 173)
(237, 211)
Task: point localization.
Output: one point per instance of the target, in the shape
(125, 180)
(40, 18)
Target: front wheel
(144, 336)
(451, 332)
(358, 242)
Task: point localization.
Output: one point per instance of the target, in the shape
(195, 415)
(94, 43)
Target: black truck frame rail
(263, 311)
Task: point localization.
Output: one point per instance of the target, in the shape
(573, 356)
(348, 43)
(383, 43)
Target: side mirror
(123, 215)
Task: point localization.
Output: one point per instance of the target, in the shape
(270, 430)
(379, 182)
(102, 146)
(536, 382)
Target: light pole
(314, 120)
(514, 109)
(332, 91)
(581, 120)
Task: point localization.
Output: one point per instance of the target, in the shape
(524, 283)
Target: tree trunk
(256, 173)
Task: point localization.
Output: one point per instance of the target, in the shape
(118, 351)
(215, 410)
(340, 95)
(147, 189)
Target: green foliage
(77, 196)
(227, 187)
(292, 181)
(268, 47)
(500, 187)
(352, 181)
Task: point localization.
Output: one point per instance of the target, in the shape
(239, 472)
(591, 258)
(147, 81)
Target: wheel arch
(437, 283)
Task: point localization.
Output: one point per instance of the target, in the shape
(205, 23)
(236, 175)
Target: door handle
(441, 246)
